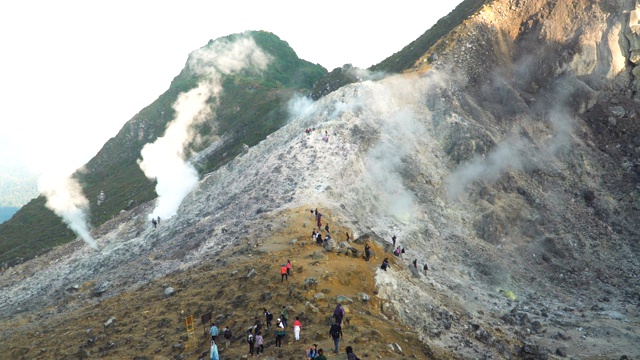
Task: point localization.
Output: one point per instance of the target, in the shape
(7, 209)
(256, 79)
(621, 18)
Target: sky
(73, 72)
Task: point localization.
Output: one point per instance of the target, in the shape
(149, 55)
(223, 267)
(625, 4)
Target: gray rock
(330, 245)
(364, 297)
(319, 296)
(101, 288)
(252, 273)
(341, 299)
(310, 283)
(618, 111)
(109, 322)
(318, 255)
(265, 296)
(561, 351)
(169, 291)
(293, 241)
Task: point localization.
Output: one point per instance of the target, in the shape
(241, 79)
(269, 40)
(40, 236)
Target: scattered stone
(169, 291)
(365, 298)
(101, 288)
(318, 255)
(319, 296)
(265, 296)
(618, 110)
(310, 283)
(178, 346)
(293, 241)
(109, 322)
(252, 273)
(561, 351)
(341, 299)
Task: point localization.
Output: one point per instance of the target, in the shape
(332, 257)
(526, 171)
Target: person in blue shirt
(214, 351)
(213, 331)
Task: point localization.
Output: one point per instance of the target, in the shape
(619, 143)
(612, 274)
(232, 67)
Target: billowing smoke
(66, 199)
(165, 159)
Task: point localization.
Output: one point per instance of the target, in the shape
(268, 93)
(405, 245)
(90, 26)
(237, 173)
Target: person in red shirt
(297, 325)
(288, 267)
(283, 273)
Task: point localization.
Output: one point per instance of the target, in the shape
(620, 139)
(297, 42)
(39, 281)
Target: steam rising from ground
(515, 153)
(66, 199)
(165, 159)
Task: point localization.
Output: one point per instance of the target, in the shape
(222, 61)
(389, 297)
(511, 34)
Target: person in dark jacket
(350, 354)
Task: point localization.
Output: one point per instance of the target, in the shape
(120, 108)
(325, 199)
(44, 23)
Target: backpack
(269, 316)
(250, 339)
(227, 334)
(335, 331)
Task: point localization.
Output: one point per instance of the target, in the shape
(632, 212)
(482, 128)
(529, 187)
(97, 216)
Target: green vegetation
(251, 107)
(405, 58)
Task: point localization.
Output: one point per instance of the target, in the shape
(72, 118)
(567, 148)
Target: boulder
(310, 283)
(101, 288)
(169, 291)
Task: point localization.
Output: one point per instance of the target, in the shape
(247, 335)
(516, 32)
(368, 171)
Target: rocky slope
(506, 158)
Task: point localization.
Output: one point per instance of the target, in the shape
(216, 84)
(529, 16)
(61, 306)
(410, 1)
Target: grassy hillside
(251, 107)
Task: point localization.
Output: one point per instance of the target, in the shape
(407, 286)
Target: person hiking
(326, 228)
(320, 355)
(214, 351)
(335, 332)
(283, 273)
(397, 251)
(226, 334)
(259, 344)
(313, 235)
(425, 268)
(268, 316)
(257, 325)
(213, 330)
(154, 223)
(297, 325)
(350, 354)
(338, 314)
(385, 264)
(393, 239)
(319, 239)
(280, 333)
(312, 352)
(284, 315)
(288, 267)
(367, 252)
(251, 340)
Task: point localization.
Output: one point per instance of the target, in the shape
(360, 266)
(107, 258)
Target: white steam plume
(165, 159)
(66, 199)
(515, 153)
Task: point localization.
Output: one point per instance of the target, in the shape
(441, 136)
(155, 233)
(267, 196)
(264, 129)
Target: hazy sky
(73, 72)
